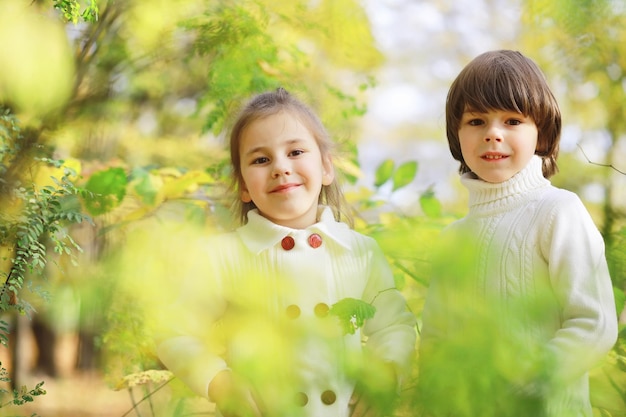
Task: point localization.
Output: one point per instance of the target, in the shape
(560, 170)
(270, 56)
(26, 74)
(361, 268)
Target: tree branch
(597, 163)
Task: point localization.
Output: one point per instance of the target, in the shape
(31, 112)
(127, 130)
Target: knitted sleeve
(580, 279)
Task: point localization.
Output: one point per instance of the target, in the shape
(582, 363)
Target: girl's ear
(328, 173)
(244, 194)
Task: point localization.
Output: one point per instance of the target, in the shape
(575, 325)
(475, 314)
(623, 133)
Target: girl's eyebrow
(254, 150)
(261, 148)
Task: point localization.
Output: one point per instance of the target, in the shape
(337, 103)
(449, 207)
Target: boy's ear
(328, 173)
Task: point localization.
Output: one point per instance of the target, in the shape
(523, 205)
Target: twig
(145, 397)
(597, 163)
(132, 400)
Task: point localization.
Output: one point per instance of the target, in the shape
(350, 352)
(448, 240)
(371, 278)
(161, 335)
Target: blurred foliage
(37, 68)
(72, 11)
(127, 105)
(580, 45)
(38, 197)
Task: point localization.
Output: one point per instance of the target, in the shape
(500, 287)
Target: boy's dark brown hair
(270, 103)
(505, 80)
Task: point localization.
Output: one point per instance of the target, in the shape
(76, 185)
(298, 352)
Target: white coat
(264, 312)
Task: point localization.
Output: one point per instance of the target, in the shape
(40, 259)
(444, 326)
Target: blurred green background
(112, 123)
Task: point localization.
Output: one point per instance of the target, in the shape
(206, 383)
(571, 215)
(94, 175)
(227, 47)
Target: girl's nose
(281, 168)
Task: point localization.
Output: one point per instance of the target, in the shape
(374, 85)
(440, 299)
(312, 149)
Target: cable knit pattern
(532, 256)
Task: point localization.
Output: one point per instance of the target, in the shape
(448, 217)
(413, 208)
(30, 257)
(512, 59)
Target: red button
(288, 243)
(315, 241)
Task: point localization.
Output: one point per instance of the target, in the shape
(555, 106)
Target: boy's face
(283, 170)
(497, 144)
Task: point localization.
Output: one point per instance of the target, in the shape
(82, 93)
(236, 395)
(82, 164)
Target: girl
(521, 305)
(260, 338)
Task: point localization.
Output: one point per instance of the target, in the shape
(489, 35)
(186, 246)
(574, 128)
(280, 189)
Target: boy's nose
(493, 133)
(497, 139)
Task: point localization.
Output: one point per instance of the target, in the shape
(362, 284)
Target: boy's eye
(475, 122)
(515, 122)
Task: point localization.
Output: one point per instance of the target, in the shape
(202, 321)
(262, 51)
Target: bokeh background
(126, 103)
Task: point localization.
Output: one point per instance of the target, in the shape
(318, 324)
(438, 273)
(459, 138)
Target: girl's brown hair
(270, 103)
(505, 80)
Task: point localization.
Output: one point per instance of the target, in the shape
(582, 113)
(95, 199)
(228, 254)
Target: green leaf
(108, 188)
(352, 313)
(620, 299)
(145, 187)
(431, 206)
(404, 174)
(384, 172)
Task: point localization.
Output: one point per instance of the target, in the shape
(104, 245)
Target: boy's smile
(497, 144)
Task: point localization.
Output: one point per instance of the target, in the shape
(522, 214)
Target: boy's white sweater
(530, 260)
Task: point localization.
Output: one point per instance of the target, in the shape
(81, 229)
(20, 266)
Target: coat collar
(260, 234)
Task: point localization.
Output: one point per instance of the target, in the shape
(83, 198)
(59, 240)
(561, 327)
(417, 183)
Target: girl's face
(497, 144)
(283, 170)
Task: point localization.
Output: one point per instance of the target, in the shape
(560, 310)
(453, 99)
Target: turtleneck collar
(486, 197)
(260, 234)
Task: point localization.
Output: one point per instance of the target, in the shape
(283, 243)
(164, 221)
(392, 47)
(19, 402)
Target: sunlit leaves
(254, 46)
(580, 42)
(430, 205)
(33, 215)
(37, 62)
(185, 184)
(348, 40)
(404, 175)
(108, 188)
(146, 186)
(352, 313)
(237, 41)
(71, 10)
(400, 177)
(383, 172)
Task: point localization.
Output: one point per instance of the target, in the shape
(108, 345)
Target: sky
(426, 43)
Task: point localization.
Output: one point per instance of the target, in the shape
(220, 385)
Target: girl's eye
(260, 160)
(296, 152)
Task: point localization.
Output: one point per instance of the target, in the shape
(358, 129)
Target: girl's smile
(283, 170)
(284, 188)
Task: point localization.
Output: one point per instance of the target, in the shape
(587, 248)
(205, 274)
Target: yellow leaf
(178, 187)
